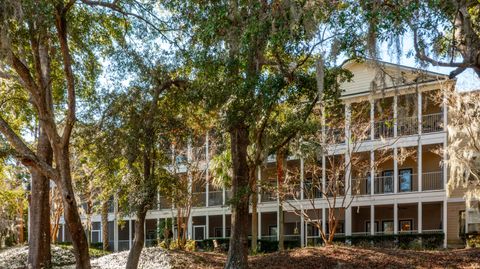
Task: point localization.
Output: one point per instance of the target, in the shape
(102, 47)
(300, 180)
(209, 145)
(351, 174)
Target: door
(198, 232)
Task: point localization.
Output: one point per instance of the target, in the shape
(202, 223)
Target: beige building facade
(400, 195)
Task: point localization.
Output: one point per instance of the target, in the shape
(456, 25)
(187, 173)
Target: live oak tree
(140, 148)
(445, 33)
(247, 57)
(48, 52)
(463, 149)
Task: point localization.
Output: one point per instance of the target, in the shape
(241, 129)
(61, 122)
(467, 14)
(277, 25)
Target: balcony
(215, 198)
(268, 196)
(406, 183)
(407, 126)
(432, 181)
(164, 203)
(383, 128)
(432, 123)
(199, 199)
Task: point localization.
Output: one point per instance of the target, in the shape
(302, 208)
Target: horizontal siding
(364, 74)
(453, 210)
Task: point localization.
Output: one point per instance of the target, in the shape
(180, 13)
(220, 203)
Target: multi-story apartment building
(397, 196)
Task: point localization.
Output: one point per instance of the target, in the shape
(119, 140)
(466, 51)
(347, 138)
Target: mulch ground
(338, 257)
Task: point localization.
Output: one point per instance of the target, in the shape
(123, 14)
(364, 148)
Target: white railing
(164, 203)
(432, 181)
(215, 198)
(335, 135)
(360, 186)
(383, 128)
(199, 199)
(432, 123)
(383, 184)
(407, 126)
(291, 237)
(268, 196)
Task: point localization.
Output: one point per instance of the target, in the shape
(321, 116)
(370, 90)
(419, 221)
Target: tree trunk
(105, 225)
(71, 215)
(238, 251)
(39, 255)
(138, 240)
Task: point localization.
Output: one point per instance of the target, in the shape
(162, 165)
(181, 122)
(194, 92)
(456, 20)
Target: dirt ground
(338, 257)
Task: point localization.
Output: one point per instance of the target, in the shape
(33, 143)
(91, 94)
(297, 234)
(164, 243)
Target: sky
(466, 81)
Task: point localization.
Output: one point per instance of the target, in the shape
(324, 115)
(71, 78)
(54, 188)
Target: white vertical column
(115, 223)
(302, 229)
(130, 234)
(348, 221)
(207, 178)
(302, 194)
(395, 169)
(224, 226)
(259, 181)
(419, 108)
(259, 225)
(420, 165)
(372, 172)
(445, 142)
(302, 184)
(372, 118)
(444, 221)
(349, 151)
(372, 219)
(395, 115)
(395, 217)
(420, 217)
(207, 226)
(190, 227)
(324, 177)
(324, 219)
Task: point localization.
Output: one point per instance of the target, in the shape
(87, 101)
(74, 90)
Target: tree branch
(24, 154)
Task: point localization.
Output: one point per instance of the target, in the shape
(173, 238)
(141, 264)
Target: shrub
(190, 245)
(473, 240)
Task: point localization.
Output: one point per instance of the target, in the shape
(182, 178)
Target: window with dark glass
(405, 179)
(387, 181)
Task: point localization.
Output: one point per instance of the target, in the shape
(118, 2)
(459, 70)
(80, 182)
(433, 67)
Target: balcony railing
(360, 186)
(383, 184)
(383, 128)
(215, 198)
(407, 126)
(432, 181)
(432, 123)
(335, 135)
(268, 196)
(199, 199)
(164, 203)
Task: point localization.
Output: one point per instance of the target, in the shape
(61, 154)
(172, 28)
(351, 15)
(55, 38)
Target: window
(272, 230)
(96, 232)
(387, 226)
(387, 181)
(406, 225)
(405, 178)
(461, 222)
(367, 226)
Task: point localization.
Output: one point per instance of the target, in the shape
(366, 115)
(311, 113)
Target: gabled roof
(371, 75)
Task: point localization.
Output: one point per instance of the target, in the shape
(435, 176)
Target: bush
(473, 240)
(190, 245)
